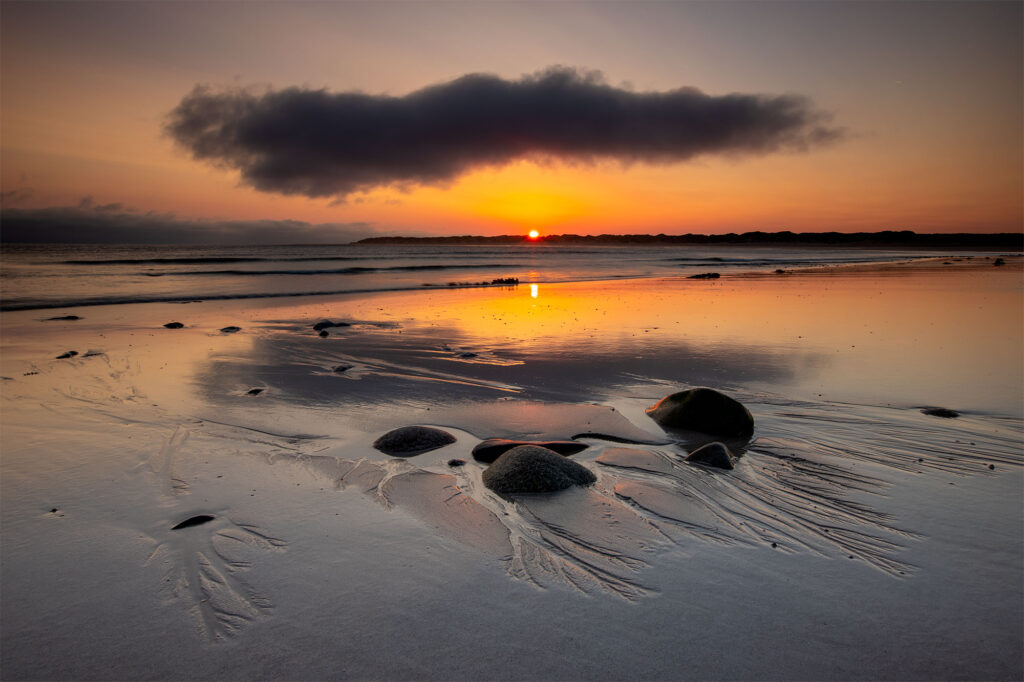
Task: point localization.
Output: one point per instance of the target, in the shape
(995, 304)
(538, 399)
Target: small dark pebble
(69, 354)
(342, 368)
(456, 462)
(991, 466)
(62, 318)
(29, 374)
(999, 261)
(941, 412)
(467, 354)
(194, 521)
(254, 391)
(324, 334)
(174, 325)
(851, 556)
(920, 459)
(230, 330)
(53, 511)
(774, 545)
(705, 275)
(780, 271)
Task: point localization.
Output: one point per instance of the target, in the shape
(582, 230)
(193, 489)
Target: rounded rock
(704, 410)
(409, 441)
(713, 455)
(533, 469)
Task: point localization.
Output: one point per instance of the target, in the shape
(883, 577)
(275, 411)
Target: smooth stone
(493, 448)
(174, 325)
(940, 412)
(533, 469)
(254, 391)
(712, 455)
(231, 330)
(409, 441)
(704, 410)
(194, 521)
(68, 354)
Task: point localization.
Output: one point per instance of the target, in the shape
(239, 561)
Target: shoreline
(882, 267)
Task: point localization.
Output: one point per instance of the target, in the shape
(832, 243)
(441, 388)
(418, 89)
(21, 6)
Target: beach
(857, 538)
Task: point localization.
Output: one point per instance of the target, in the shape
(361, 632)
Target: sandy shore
(858, 538)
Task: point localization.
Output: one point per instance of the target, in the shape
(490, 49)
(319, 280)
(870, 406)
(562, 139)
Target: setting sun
(534, 234)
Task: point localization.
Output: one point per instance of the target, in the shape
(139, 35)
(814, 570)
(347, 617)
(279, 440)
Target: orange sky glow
(933, 124)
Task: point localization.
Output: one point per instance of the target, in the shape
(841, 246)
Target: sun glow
(534, 234)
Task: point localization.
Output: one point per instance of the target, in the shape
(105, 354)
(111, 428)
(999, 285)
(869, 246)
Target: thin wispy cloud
(88, 223)
(318, 144)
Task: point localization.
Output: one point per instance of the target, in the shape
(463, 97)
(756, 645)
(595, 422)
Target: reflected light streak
(534, 290)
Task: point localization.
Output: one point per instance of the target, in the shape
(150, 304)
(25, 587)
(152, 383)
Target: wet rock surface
(704, 410)
(409, 441)
(715, 455)
(493, 448)
(533, 469)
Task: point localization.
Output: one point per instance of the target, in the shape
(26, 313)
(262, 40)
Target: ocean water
(70, 275)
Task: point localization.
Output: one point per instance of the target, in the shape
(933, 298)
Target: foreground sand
(897, 536)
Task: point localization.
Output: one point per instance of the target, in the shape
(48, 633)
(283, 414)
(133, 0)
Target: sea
(35, 276)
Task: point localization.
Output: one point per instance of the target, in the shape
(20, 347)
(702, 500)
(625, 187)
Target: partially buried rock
(533, 469)
(62, 318)
(327, 324)
(174, 325)
(493, 448)
(409, 441)
(704, 410)
(712, 455)
(705, 275)
(193, 521)
(230, 330)
(941, 412)
(254, 391)
(999, 261)
(68, 354)
(324, 334)
(456, 462)
(342, 368)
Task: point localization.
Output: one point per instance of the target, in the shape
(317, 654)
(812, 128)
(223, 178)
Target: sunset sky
(910, 116)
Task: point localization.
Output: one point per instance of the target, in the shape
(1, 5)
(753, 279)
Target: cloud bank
(111, 224)
(316, 143)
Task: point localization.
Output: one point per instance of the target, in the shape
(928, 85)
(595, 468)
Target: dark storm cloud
(110, 224)
(315, 143)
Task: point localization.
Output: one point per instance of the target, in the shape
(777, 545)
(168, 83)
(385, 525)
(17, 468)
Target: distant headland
(890, 238)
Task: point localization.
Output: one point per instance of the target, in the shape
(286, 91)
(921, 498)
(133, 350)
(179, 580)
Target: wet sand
(857, 538)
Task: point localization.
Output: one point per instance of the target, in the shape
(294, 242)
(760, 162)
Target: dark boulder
(940, 412)
(409, 441)
(254, 391)
(342, 368)
(324, 334)
(493, 448)
(705, 275)
(174, 325)
(533, 469)
(68, 354)
(704, 410)
(230, 330)
(712, 455)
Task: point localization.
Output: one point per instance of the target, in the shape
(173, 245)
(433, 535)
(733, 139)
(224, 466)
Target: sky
(329, 121)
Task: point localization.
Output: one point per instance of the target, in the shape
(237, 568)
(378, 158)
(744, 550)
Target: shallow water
(49, 276)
